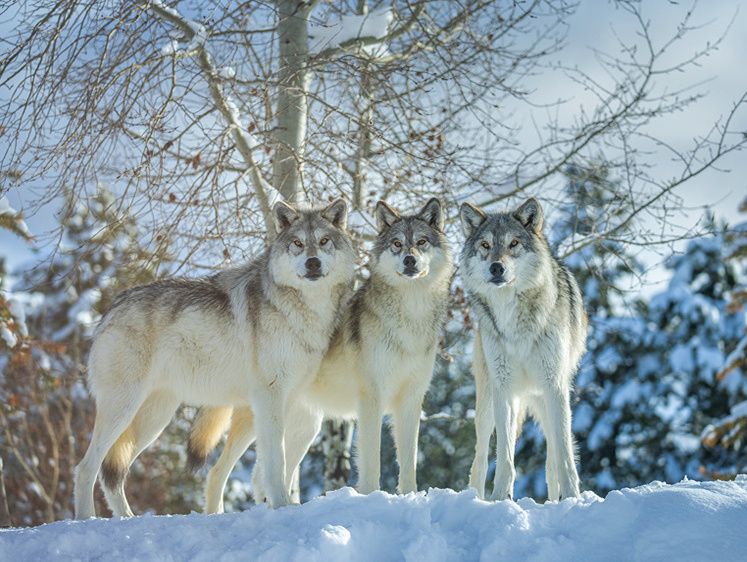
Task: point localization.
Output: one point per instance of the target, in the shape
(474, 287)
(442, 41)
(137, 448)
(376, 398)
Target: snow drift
(686, 521)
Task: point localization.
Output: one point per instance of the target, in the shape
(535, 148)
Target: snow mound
(686, 521)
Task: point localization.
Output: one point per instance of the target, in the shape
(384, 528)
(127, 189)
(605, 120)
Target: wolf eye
(513, 244)
(485, 245)
(397, 244)
(421, 242)
(323, 241)
(298, 243)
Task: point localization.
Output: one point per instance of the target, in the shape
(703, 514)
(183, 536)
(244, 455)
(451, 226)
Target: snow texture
(685, 521)
(6, 209)
(375, 24)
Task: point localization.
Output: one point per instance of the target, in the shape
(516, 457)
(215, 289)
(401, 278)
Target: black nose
(497, 269)
(314, 265)
(410, 261)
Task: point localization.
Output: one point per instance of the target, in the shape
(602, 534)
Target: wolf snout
(410, 262)
(497, 272)
(313, 268)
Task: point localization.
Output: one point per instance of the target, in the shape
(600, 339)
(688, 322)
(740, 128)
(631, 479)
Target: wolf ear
(433, 213)
(284, 215)
(472, 217)
(337, 213)
(530, 215)
(385, 216)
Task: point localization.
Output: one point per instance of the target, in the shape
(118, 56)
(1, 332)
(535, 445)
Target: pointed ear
(337, 213)
(284, 215)
(433, 214)
(385, 216)
(530, 215)
(472, 217)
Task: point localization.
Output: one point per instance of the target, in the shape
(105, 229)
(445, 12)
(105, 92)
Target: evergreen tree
(726, 435)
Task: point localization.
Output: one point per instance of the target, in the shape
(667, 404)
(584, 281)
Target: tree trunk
(4, 512)
(337, 439)
(294, 77)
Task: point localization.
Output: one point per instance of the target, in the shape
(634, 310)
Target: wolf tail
(209, 426)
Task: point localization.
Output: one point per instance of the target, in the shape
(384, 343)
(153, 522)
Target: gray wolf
(531, 337)
(252, 335)
(380, 360)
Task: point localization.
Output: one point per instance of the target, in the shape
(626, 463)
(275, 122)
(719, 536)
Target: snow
(685, 521)
(739, 410)
(6, 209)
(372, 25)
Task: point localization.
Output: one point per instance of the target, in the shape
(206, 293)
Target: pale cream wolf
(531, 339)
(249, 336)
(380, 361)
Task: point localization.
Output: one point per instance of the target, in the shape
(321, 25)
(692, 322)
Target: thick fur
(531, 338)
(249, 336)
(380, 360)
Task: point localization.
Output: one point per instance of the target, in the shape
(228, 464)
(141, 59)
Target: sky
(595, 26)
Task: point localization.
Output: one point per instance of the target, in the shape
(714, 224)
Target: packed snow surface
(686, 521)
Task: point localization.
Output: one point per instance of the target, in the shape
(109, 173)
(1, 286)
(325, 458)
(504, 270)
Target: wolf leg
(406, 421)
(484, 422)
(368, 447)
(539, 409)
(303, 426)
(150, 420)
(506, 411)
(269, 418)
(560, 443)
(240, 436)
(114, 413)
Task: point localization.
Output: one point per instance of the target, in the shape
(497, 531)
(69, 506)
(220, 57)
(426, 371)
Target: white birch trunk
(292, 111)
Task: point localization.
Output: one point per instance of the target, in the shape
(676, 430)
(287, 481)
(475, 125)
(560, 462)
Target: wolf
(252, 335)
(380, 360)
(530, 340)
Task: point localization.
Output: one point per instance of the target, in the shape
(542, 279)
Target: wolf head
(411, 247)
(503, 249)
(312, 244)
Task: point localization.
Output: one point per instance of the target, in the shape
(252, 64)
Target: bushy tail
(117, 461)
(209, 425)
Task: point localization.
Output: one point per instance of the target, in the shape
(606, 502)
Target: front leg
(269, 419)
(506, 412)
(368, 447)
(563, 483)
(484, 422)
(304, 424)
(406, 424)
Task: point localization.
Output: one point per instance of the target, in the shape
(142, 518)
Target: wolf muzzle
(410, 262)
(497, 273)
(313, 269)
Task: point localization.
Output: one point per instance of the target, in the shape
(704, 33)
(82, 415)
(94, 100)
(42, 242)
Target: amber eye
(514, 243)
(421, 242)
(485, 245)
(323, 241)
(398, 244)
(298, 243)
